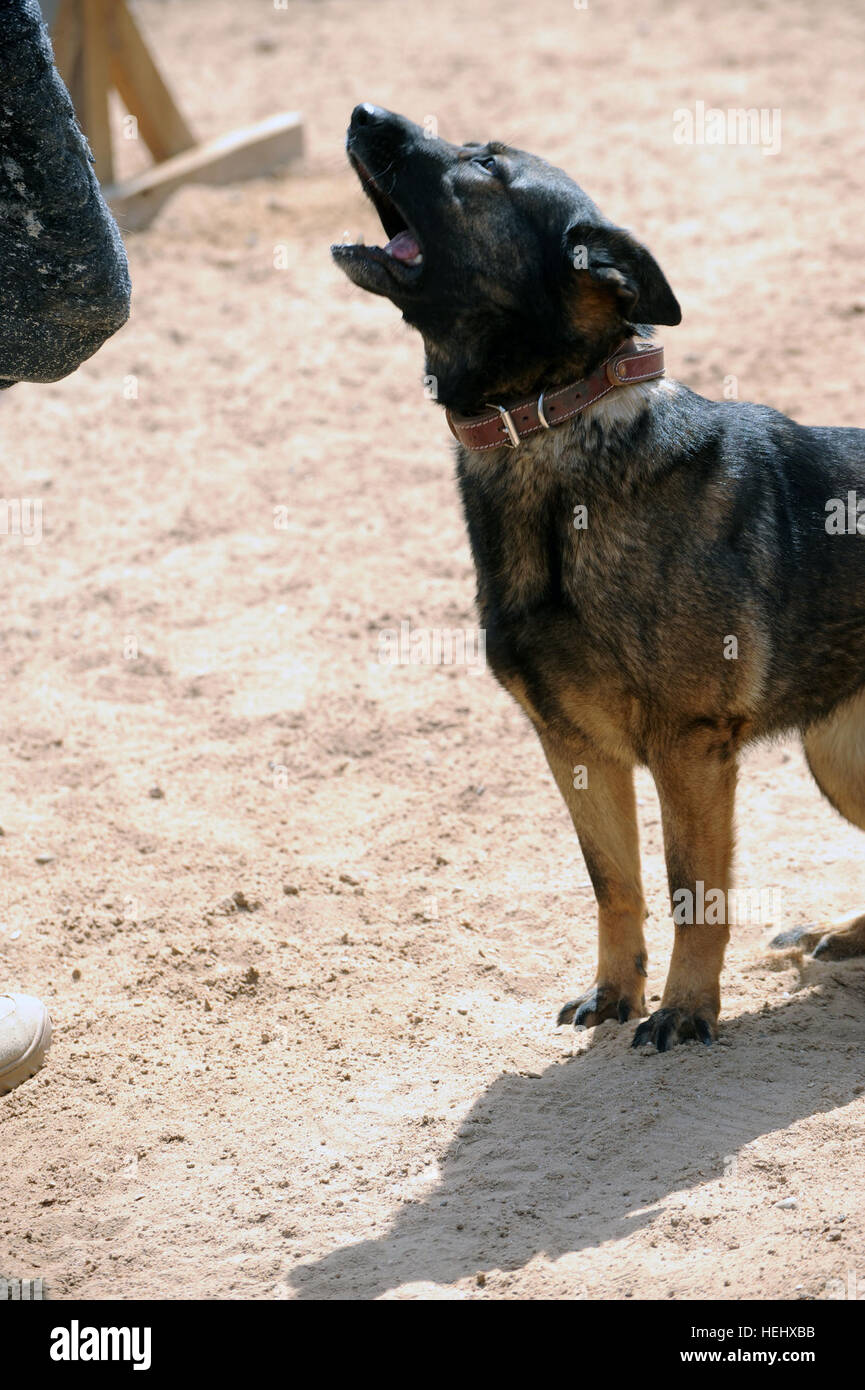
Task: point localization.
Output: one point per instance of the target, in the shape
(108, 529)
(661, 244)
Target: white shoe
(25, 1032)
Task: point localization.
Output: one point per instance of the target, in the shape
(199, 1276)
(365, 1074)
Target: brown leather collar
(499, 427)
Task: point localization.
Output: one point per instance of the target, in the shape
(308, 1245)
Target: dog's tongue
(403, 247)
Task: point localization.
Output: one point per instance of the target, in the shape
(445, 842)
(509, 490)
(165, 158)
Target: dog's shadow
(588, 1151)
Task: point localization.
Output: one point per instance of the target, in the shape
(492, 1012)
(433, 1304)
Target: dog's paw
(666, 1027)
(837, 943)
(800, 938)
(599, 1003)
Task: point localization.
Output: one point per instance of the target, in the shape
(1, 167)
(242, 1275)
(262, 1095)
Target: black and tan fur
(705, 521)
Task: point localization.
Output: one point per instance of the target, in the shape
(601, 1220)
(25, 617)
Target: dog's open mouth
(401, 258)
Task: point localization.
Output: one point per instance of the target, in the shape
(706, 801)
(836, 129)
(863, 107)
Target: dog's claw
(704, 1032)
(662, 1040)
(595, 1006)
(590, 1007)
(567, 1013)
(666, 1027)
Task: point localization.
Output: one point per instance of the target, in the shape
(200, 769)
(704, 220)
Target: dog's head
(508, 270)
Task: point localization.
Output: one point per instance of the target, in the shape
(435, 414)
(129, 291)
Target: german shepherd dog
(702, 601)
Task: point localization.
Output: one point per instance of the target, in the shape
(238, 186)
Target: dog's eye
(487, 162)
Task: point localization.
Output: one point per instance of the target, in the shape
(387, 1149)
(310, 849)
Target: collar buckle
(512, 431)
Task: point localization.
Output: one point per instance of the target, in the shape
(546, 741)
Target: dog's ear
(611, 256)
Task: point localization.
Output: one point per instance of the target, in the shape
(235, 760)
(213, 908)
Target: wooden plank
(94, 88)
(66, 39)
(241, 154)
(142, 90)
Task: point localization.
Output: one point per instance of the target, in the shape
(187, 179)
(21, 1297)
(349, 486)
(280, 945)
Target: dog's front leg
(696, 781)
(599, 794)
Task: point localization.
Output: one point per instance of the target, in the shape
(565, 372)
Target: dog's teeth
(417, 260)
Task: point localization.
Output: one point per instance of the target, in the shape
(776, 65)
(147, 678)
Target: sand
(303, 920)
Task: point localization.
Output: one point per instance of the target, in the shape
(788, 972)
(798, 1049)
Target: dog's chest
(558, 569)
(547, 547)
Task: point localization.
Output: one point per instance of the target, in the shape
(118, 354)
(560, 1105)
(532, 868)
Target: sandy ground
(307, 919)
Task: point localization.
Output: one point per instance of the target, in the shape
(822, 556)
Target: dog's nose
(367, 114)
